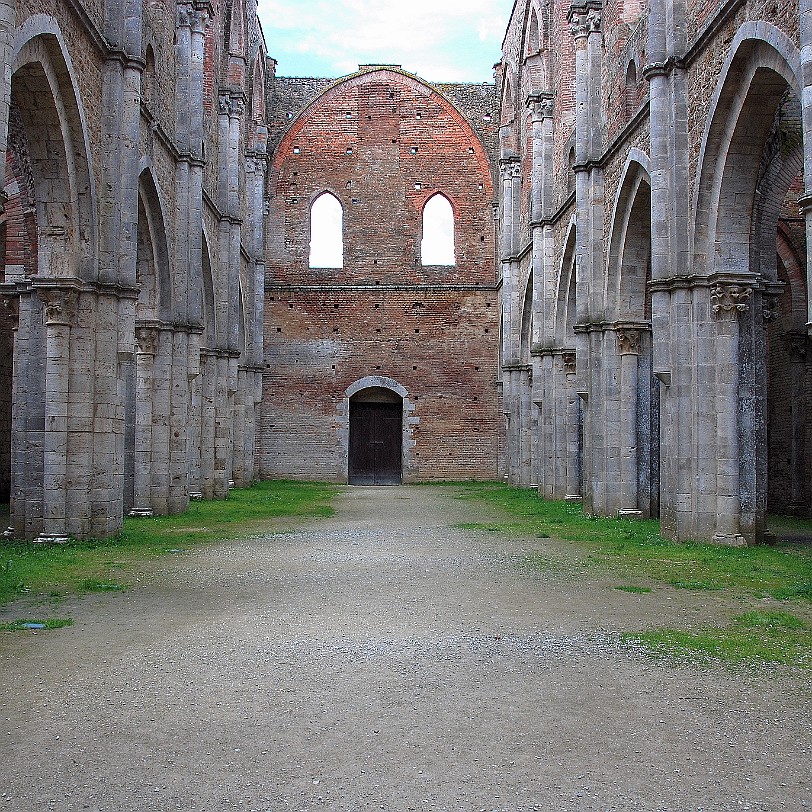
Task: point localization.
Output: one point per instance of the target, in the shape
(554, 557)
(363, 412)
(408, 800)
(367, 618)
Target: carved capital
(147, 340)
(185, 14)
(510, 168)
(199, 20)
(237, 106)
(568, 359)
(61, 305)
(730, 298)
(541, 106)
(628, 342)
(255, 165)
(225, 105)
(656, 69)
(584, 22)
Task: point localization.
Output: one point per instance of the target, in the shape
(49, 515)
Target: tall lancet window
(326, 232)
(437, 245)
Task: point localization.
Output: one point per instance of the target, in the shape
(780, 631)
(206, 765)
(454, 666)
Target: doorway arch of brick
(410, 469)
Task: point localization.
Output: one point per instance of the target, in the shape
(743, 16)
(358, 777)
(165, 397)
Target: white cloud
(436, 39)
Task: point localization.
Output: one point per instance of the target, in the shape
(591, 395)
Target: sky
(439, 40)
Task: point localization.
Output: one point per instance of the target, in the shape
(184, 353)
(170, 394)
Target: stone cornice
(540, 350)
(708, 280)
(388, 288)
(620, 325)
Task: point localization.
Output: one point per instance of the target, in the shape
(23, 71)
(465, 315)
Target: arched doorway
(376, 437)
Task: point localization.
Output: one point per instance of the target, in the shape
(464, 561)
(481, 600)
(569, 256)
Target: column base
(8, 533)
(629, 513)
(570, 497)
(51, 538)
(195, 496)
(231, 483)
(141, 512)
(730, 539)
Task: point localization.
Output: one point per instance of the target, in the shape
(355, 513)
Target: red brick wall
(432, 329)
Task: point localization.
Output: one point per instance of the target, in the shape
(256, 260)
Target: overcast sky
(440, 40)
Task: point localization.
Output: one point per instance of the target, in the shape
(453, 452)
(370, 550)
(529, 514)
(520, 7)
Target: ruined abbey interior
(588, 277)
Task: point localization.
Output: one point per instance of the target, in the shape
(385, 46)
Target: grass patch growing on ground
(767, 637)
(98, 565)
(636, 548)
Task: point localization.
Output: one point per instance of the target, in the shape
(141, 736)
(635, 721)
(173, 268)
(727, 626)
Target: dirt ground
(383, 659)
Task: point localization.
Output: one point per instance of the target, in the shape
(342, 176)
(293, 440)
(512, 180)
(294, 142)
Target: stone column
(797, 345)
(805, 14)
(727, 302)
(60, 315)
(208, 410)
(147, 338)
(585, 26)
(573, 430)
(8, 22)
(628, 344)
(11, 305)
(511, 212)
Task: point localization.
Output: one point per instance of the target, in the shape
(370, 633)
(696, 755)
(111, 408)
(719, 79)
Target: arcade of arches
(590, 277)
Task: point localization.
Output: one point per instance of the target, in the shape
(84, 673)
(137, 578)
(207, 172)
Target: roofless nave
(630, 330)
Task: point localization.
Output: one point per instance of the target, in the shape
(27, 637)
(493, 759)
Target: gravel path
(382, 659)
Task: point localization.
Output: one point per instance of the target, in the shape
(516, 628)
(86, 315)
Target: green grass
(635, 547)
(635, 590)
(766, 637)
(98, 565)
(24, 624)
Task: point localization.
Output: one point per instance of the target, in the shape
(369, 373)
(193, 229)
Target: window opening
(326, 232)
(437, 245)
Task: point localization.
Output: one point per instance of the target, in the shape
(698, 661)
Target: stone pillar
(161, 422)
(805, 13)
(727, 302)
(208, 408)
(195, 438)
(198, 22)
(146, 338)
(8, 22)
(797, 350)
(585, 26)
(628, 344)
(674, 332)
(574, 429)
(511, 238)
(11, 305)
(60, 316)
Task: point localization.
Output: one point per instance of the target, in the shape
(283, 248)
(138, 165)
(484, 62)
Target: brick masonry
(383, 142)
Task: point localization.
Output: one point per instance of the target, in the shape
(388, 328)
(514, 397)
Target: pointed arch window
(437, 245)
(326, 232)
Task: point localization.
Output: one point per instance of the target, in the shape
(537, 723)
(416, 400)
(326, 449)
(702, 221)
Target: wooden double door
(376, 440)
